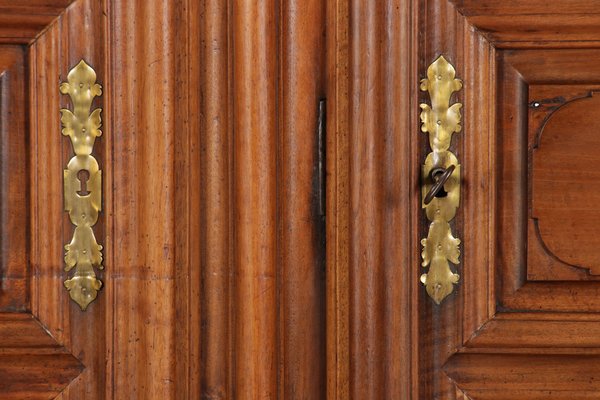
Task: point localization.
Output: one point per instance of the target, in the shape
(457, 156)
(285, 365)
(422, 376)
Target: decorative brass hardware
(82, 183)
(441, 179)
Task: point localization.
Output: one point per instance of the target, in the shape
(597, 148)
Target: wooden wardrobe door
(213, 205)
(137, 340)
(521, 322)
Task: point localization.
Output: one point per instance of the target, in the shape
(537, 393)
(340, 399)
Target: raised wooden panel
(543, 261)
(564, 200)
(526, 199)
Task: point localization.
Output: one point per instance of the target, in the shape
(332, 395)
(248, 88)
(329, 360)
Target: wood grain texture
(14, 212)
(542, 264)
(60, 47)
(518, 262)
(151, 207)
(474, 330)
(46, 377)
(302, 254)
(491, 326)
(512, 157)
(200, 226)
(337, 200)
(32, 364)
(255, 199)
(512, 373)
(513, 24)
(145, 315)
(563, 196)
(381, 205)
(263, 290)
(22, 22)
(516, 7)
(522, 332)
(561, 66)
(216, 205)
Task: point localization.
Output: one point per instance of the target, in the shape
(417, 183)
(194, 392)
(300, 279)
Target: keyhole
(83, 176)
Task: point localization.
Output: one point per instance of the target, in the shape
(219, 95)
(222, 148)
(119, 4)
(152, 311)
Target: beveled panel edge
(22, 24)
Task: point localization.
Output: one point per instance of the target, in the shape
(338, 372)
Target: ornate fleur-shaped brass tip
(82, 183)
(440, 120)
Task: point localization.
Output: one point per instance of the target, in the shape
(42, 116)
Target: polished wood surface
(254, 190)
(136, 340)
(223, 279)
(563, 196)
(515, 319)
(263, 287)
(302, 223)
(15, 196)
(23, 21)
(214, 280)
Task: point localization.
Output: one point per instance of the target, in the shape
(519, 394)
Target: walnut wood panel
(255, 199)
(338, 200)
(302, 262)
(24, 21)
(535, 261)
(543, 262)
(520, 332)
(560, 66)
(512, 372)
(62, 45)
(369, 199)
(484, 342)
(216, 211)
(150, 153)
(46, 375)
(135, 341)
(563, 197)
(14, 212)
(512, 24)
(528, 395)
(199, 225)
(262, 303)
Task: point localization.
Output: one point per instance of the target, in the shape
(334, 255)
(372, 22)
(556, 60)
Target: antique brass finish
(82, 184)
(440, 179)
